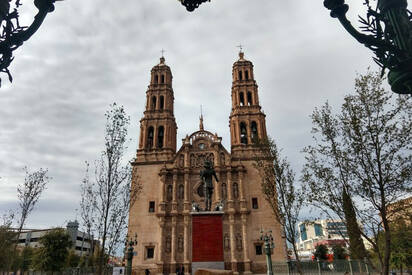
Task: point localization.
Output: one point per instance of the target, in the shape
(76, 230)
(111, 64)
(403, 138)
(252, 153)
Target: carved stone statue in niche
(226, 242)
(239, 242)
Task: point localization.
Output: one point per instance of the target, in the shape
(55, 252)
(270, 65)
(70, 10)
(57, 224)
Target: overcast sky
(89, 54)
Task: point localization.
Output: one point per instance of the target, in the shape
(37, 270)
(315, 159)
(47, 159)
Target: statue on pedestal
(207, 175)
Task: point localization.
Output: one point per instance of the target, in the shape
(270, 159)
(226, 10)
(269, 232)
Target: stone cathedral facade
(170, 178)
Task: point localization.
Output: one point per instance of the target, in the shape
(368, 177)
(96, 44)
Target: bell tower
(247, 121)
(158, 127)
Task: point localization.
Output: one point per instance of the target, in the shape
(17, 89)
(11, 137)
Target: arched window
(224, 191)
(243, 133)
(169, 192)
(160, 136)
(235, 191)
(240, 75)
(247, 75)
(156, 79)
(242, 99)
(254, 131)
(153, 102)
(150, 137)
(181, 193)
(163, 78)
(249, 98)
(162, 102)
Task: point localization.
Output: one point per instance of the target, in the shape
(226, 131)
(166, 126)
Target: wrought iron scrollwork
(12, 35)
(191, 5)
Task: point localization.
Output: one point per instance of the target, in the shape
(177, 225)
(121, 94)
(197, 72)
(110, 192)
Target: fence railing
(344, 267)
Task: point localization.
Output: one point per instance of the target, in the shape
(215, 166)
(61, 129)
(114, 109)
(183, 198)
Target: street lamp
(191, 5)
(12, 35)
(267, 239)
(129, 244)
(388, 29)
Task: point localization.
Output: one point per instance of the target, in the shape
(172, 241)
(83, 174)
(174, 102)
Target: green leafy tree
(366, 150)
(321, 252)
(339, 253)
(279, 190)
(52, 254)
(26, 258)
(7, 237)
(73, 260)
(356, 247)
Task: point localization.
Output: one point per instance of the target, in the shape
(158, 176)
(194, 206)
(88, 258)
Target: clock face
(202, 146)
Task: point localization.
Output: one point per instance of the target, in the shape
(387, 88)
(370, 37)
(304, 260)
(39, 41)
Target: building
(400, 211)
(170, 178)
(326, 232)
(81, 242)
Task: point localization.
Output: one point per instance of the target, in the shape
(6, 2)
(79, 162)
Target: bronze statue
(207, 178)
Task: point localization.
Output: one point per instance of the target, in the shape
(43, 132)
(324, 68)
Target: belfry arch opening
(162, 102)
(254, 131)
(249, 98)
(160, 137)
(240, 75)
(243, 133)
(153, 103)
(150, 134)
(156, 79)
(241, 99)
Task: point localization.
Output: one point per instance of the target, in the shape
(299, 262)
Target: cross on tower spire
(201, 119)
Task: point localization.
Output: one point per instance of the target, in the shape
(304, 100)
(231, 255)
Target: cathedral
(163, 217)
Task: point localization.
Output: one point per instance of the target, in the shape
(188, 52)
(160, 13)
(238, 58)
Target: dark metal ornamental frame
(191, 5)
(387, 31)
(12, 35)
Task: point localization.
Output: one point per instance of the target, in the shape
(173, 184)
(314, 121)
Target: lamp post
(130, 243)
(387, 31)
(12, 35)
(267, 239)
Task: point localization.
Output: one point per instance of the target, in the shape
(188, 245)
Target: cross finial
(201, 119)
(163, 51)
(240, 47)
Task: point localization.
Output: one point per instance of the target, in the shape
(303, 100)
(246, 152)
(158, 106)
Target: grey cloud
(89, 54)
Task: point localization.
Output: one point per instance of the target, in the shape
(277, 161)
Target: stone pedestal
(207, 240)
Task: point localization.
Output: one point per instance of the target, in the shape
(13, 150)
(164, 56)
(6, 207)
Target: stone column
(229, 190)
(243, 204)
(173, 246)
(186, 245)
(174, 201)
(246, 259)
(232, 243)
(187, 191)
(218, 189)
(160, 260)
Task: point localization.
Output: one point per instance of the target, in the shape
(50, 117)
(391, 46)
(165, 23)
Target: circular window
(202, 146)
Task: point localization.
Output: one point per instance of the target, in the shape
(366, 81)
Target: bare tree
(29, 193)
(278, 187)
(366, 151)
(107, 198)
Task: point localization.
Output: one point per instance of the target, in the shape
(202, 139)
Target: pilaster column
(160, 252)
(187, 196)
(245, 244)
(163, 188)
(229, 190)
(173, 244)
(174, 201)
(243, 204)
(232, 242)
(218, 189)
(186, 245)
